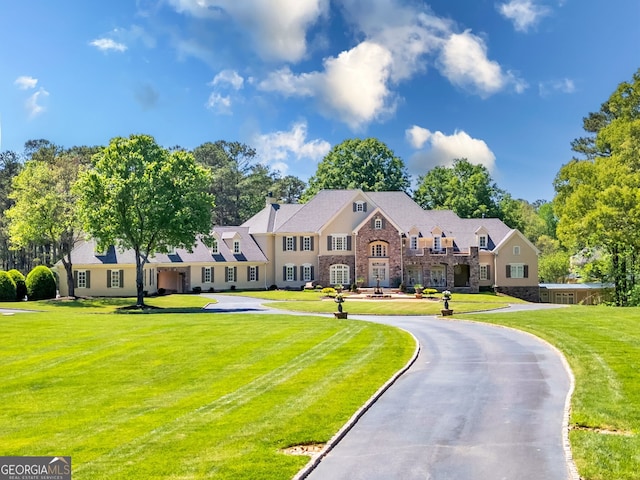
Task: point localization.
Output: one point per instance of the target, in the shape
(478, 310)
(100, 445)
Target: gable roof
(272, 217)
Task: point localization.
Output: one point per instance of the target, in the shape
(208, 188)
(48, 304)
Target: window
(81, 278)
(214, 247)
(437, 244)
(307, 244)
(339, 274)
(482, 241)
(115, 278)
(289, 273)
(484, 272)
(379, 249)
(516, 250)
(565, 298)
(252, 274)
(152, 276)
(207, 275)
(517, 270)
(236, 247)
(231, 274)
(359, 207)
(307, 272)
(339, 242)
(289, 244)
(413, 242)
(377, 224)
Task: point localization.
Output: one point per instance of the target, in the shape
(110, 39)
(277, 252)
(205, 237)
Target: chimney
(270, 199)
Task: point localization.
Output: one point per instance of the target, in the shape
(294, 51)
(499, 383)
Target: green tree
(553, 267)
(142, 197)
(10, 166)
(469, 191)
(289, 189)
(597, 199)
(45, 209)
(365, 164)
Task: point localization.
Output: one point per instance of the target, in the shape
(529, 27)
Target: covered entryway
(461, 275)
(174, 279)
(378, 272)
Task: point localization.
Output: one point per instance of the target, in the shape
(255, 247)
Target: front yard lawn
(183, 396)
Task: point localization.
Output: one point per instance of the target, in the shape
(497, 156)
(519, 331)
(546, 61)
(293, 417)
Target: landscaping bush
(41, 284)
(329, 292)
(7, 287)
(21, 286)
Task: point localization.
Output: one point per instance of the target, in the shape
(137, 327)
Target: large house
(338, 237)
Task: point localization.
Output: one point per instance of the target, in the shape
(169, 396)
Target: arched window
(379, 249)
(339, 274)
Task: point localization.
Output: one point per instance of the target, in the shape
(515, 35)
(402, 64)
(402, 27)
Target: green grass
(313, 302)
(183, 396)
(602, 345)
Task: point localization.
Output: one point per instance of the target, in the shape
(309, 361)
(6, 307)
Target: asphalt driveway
(479, 403)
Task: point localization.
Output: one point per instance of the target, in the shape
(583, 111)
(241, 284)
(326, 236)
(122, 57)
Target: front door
(379, 272)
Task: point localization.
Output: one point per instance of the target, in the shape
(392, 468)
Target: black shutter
(235, 274)
(349, 242)
(354, 206)
(526, 271)
(295, 276)
(108, 278)
(329, 242)
(75, 279)
(364, 206)
(248, 274)
(312, 275)
(295, 241)
(508, 271)
(284, 274)
(311, 238)
(212, 270)
(301, 243)
(301, 272)
(226, 274)
(203, 274)
(284, 244)
(121, 278)
(488, 272)
(257, 270)
(88, 274)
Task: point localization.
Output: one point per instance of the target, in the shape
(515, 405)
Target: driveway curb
(315, 461)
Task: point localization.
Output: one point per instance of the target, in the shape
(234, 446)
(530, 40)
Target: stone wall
(325, 261)
(530, 294)
(449, 259)
(368, 234)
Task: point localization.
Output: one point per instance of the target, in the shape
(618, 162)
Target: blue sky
(504, 83)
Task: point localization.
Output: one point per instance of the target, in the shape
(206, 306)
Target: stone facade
(367, 235)
(325, 262)
(466, 280)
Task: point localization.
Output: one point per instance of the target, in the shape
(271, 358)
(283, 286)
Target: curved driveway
(480, 402)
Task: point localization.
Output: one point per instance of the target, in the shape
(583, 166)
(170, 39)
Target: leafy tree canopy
(140, 196)
(365, 164)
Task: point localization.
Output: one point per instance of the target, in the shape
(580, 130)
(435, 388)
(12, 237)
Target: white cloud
(26, 82)
(278, 28)
(417, 136)
(219, 103)
(463, 60)
(228, 77)
(107, 44)
(33, 103)
(523, 13)
(277, 149)
(352, 87)
(565, 85)
(444, 149)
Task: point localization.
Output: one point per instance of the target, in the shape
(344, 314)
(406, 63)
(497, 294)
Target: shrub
(41, 284)
(329, 292)
(197, 289)
(7, 287)
(21, 286)
(430, 291)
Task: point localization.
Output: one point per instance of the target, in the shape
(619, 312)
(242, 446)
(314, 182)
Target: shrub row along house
(338, 237)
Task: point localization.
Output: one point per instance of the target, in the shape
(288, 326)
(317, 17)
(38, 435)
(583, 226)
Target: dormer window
(360, 206)
(236, 247)
(482, 241)
(214, 247)
(413, 242)
(437, 243)
(377, 224)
